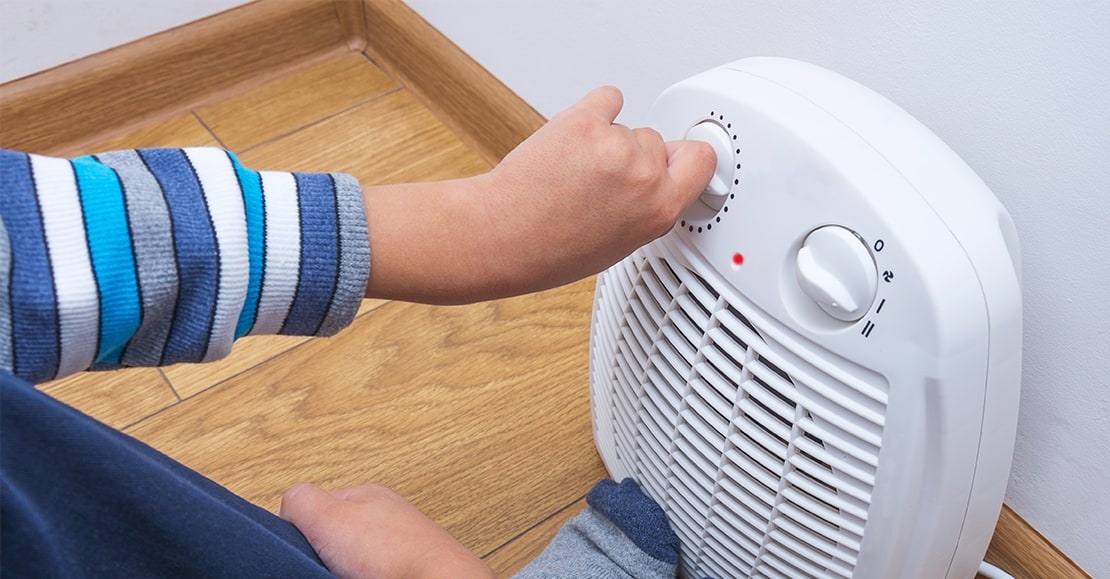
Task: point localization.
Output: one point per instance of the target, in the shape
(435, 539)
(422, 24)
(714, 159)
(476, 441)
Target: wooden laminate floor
(478, 414)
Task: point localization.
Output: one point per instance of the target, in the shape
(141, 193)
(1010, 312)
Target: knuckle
(649, 133)
(615, 153)
(376, 490)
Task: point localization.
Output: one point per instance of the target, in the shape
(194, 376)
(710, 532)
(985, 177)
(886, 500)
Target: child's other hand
(371, 531)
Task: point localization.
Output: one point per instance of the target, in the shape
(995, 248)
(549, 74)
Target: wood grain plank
(188, 380)
(295, 101)
(191, 379)
(91, 98)
(387, 140)
(117, 398)
(514, 555)
(478, 414)
(183, 130)
(475, 104)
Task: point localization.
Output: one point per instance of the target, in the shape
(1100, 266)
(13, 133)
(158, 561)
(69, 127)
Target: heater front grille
(764, 460)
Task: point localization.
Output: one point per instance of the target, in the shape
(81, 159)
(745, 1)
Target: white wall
(1020, 88)
(40, 34)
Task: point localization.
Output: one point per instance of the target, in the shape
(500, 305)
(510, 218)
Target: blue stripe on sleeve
(319, 254)
(152, 243)
(109, 238)
(33, 301)
(251, 184)
(195, 248)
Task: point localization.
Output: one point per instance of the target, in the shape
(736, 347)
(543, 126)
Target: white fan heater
(816, 373)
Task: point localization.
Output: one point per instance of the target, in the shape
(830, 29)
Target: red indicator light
(737, 259)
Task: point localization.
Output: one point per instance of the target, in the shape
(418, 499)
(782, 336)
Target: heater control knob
(835, 268)
(716, 135)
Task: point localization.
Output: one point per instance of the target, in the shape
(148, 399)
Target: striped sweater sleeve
(157, 256)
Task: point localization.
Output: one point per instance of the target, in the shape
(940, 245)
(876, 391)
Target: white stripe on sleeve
(282, 264)
(224, 198)
(74, 283)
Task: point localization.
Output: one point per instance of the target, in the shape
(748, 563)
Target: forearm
(441, 243)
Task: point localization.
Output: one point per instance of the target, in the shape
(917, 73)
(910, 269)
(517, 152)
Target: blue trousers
(80, 499)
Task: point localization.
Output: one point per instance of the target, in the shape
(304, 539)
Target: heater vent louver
(764, 462)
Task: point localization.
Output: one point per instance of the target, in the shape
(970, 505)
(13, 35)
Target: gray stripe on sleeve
(155, 260)
(354, 255)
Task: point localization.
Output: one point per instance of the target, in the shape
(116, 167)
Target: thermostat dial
(835, 268)
(717, 137)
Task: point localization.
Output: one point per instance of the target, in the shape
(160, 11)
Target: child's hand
(574, 198)
(371, 531)
(582, 193)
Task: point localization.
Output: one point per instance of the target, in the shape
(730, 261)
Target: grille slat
(716, 424)
(759, 498)
(660, 381)
(671, 357)
(720, 402)
(708, 448)
(825, 512)
(724, 388)
(845, 505)
(775, 406)
(746, 515)
(681, 345)
(789, 551)
(647, 309)
(697, 465)
(633, 345)
(814, 532)
(830, 439)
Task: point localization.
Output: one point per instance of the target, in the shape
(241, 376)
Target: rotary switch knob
(835, 268)
(718, 138)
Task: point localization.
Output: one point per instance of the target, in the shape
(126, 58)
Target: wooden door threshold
(59, 110)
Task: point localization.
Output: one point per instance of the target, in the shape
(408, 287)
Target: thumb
(691, 165)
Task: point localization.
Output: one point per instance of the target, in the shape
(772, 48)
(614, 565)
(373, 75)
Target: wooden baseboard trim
(55, 110)
(484, 112)
(1024, 553)
(352, 20)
